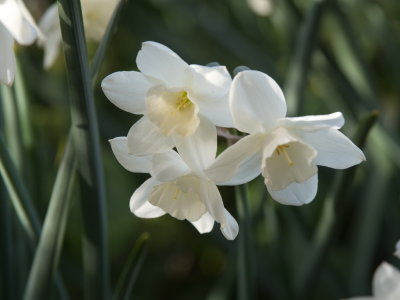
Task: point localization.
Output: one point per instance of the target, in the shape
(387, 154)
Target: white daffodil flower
(178, 100)
(285, 150)
(176, 188)
(397, 251)
(17, 24)
(385, 284)
(95, 13)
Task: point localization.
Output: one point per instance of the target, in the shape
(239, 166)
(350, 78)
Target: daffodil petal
(236, 159)
(296, 193)
(199, 149)
(127, 90)
(204, 224)
(17, 19)
(209, 88)
(386, 282)
(133, 163)
(168, 166)
(256, 102)
(142, 193)
(7, 58)
(159, 62)
(249, 169)
(144, 138)
(311, 123)
(230, 228)
(334, 149)
(149, 211)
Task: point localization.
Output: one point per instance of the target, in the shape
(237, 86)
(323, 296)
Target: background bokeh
(327, 56)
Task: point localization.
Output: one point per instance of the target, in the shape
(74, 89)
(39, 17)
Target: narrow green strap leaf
(132, 268)
(245, 255)
(334, 212)
(47, 254)
(87, 146)
(18, 194)
(305, 45)
(105, 42)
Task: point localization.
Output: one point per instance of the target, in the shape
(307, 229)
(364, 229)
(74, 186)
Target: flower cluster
(175, 140)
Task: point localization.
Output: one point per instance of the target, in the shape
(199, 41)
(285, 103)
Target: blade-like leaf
(132, 268)
(105, 42)
(87, 146)
(51, 239)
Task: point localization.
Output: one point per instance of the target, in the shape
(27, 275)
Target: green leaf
(132, 268)
(48, 251)
(105, 42)
(87, 146)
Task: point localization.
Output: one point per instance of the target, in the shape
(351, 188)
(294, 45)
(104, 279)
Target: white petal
(209, 88)
(172, 111)
(397, 251)
(199, 149)
(181, 198)
(141, 195)
(230, 228)
(144, 138)
(17, 19)
(159, 62)
(249, 169)
(386, 282)
(137, 164)
(310, 123)
(204, 224)
(7, 58)
(334, 149)
(168, 166)
(127, 90)
(256, 102)
(286, 160)
(51, 40)
(297, 193)
(213, 201)
(235, 159)
(149, 211)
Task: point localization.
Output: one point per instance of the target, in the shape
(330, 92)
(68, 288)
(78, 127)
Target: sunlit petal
(127, 90)
(145, 138)
(204, 224)
(133, 163)
(256, 102)
(386, 282)
(161, 63)
(141, 195)
(311, 123)
(168, 166)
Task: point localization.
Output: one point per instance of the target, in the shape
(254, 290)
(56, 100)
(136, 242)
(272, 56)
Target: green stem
(87, 146)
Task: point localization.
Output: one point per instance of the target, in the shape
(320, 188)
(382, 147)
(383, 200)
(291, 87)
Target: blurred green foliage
(324, 250)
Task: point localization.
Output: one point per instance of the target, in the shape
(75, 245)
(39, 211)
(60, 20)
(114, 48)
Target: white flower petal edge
(132, 163)
(145, 138)
(397, 251)
(7, 59)
(297, 193)
(205, 224)
(127, 90)
(311, 123)
(18, 21)
(256, 102)
(334, 149)
(168, 166)
(386, 282)
(159, 62)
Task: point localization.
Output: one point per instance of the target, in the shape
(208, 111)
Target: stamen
(183, 101)
(282, 149)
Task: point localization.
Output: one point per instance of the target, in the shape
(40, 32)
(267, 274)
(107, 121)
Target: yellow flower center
(282, 149)
(183, 101)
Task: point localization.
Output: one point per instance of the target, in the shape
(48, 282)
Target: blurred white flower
(96, 15)
(385, 284)
(397, 252)
(177, 187)
(285, 150)
(178, 101)
(263, 8)
(16, 23)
